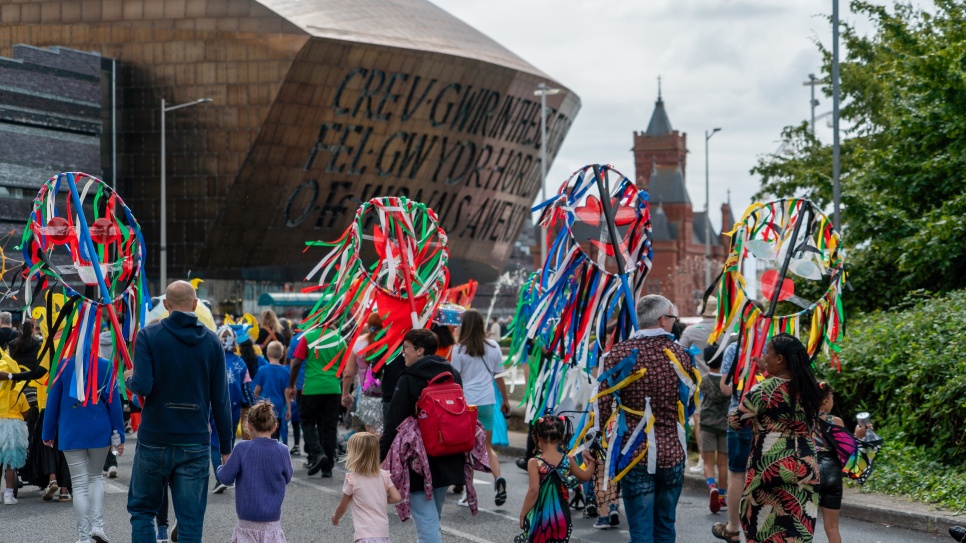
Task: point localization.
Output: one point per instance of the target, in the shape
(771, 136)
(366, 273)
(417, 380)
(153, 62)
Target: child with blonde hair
(259, 469)
(367, 489)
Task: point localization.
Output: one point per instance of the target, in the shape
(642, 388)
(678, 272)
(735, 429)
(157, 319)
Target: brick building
(660, 160)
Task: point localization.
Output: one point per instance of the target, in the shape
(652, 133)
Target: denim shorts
(739, 449)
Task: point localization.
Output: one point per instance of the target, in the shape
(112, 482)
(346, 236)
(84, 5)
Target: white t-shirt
(477, 372)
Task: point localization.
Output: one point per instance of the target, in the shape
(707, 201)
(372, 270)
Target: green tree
(904, 159)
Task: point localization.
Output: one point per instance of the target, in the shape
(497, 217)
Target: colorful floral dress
(779, 503)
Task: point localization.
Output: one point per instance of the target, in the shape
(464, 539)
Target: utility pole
(813, 82)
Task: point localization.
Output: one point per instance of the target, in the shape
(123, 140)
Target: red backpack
(447, 424)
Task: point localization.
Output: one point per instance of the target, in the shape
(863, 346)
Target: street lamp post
(836, 150)
(707, 209)
(542, 91)
(164, 188)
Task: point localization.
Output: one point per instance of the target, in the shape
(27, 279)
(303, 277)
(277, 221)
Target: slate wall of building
(51, 111)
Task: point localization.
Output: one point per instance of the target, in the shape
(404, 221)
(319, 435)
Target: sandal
(720, 530)
(500, 497)
(50, 490)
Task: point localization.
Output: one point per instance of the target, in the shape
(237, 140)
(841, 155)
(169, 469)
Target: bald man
(179, 370)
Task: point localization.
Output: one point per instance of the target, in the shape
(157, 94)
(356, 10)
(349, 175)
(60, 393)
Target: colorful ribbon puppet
(599, 255)
(404, 284)
(103, 288)
(585, 296)
(785, 236)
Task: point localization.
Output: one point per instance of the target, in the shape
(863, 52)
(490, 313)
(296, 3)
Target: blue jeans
(185, 469)
(426, 515)
(651, 501)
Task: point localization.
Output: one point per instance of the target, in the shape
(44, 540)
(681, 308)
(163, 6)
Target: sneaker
(49, 492)
(612, 512)
(463, 501)
(603, 523)
(699, 467)
(295, 451)
(98, 535)
(724, 502)
(163, 534)
(8, 499)
(219, 489)
(715, 499)
(112, 472)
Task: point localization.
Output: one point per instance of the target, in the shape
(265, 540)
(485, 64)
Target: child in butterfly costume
(545, 516)
(838, 452)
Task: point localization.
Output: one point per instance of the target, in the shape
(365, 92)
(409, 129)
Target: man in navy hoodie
(179, 370)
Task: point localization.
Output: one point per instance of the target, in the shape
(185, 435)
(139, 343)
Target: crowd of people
(198, 392)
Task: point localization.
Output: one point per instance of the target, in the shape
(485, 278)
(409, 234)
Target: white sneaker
(112, 472)
(463, 502)
(98, 535)
(8, 499)
(699, 467)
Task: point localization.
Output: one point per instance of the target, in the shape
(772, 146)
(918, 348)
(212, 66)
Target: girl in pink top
(367, 489)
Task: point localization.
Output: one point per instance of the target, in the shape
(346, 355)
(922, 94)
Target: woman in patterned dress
(779, 503)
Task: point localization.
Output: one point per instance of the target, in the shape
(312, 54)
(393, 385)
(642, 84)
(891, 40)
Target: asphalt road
(310, 501)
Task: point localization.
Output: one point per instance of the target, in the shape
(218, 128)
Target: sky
(734, 64)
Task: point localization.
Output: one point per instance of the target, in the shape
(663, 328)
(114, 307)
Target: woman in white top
(478, 360)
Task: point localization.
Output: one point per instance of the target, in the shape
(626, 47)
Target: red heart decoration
(769, 281)
(591, 212)
(103, 231)
(59, 230)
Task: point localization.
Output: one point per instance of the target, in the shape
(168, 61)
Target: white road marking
(501, 515)
(325, 489)
(445, 529)
(464, 535)
(114, 488)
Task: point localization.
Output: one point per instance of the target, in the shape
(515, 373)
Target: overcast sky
(734, 64)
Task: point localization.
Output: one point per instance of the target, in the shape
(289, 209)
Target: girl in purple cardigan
(259, 469)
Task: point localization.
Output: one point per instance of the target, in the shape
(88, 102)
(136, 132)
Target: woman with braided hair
(780, 499)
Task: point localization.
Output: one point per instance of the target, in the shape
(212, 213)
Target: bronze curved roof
(410, 24)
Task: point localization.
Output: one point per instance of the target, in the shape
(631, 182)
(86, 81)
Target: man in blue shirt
(179, 370)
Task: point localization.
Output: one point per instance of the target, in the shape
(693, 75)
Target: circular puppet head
(797, 251)
(613, 231)
(401, 247)
(81, 236)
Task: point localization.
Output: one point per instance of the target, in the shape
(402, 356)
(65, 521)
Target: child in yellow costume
(13, 429)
